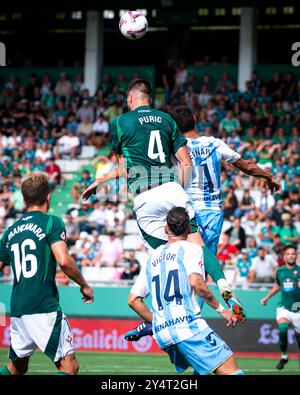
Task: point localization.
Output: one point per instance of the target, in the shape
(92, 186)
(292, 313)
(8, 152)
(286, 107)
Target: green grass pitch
(137, 364)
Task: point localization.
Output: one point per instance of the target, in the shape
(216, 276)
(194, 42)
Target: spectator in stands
(268, 232)
(227, 252)
(110, 251)
(85, 129)
(86, 110)
(168, 79)
(79, 186)
(263, 268)
(100, 130)
(230, 203)
(236, 233)
(81, 248)
(94, 221)
(72, 230)
(67, 145)
(54, 173)
(230, 124)
(63, 86)
(130, 265)
(181, 76)
(241, 272)
(43, 153)
(288, 232)
(265, 202)
(93, 250)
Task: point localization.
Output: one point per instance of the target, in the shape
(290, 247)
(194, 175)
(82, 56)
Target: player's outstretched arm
(274, 290)
(251, 169)
(198, 284)
(185, 165)
(137, 304)
(68, 266)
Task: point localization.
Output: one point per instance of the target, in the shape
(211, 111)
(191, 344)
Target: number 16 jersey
(176, 312)
(26, 246)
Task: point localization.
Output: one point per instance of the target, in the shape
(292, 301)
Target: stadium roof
(16, 5)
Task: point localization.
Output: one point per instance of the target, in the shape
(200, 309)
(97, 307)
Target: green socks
(212, 265)
(4, 371)
(283, 340)
(63, 374)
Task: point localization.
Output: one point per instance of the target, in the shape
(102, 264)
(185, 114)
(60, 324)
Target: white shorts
(293, 318)
(50, 332)
(151, 209)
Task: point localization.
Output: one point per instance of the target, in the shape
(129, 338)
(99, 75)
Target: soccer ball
(133, 25)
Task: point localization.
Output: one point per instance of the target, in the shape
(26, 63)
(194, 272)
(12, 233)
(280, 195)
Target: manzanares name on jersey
(31, 227)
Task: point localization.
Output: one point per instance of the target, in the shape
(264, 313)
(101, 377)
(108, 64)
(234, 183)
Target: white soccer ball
(133, 25)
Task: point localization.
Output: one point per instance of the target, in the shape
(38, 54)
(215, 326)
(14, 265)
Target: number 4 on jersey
(155, 138)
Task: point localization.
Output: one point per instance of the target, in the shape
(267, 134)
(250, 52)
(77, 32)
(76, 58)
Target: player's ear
(166, 229)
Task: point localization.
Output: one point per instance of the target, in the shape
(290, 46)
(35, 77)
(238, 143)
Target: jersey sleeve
(4, 255)
(140, 287)
(226, 153)
(116, 137)
(177, 138)
(194, 262)
(56, 230)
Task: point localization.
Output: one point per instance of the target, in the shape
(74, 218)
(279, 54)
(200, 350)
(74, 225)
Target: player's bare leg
(229, 367)
(18, 367)
(67, 365)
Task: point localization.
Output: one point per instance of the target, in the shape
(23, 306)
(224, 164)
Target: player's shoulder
(54, 221)
(281, 269)
(190, 248)
(206, 141)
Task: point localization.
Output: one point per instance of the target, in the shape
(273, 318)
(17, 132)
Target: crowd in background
(42, 121)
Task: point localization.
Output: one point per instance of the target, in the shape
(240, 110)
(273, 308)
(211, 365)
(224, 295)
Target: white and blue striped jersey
(206, 154)
(176, 312)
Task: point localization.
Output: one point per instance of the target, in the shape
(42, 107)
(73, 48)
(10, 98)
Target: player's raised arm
(68, 266)
(198, 284)
(251, 169)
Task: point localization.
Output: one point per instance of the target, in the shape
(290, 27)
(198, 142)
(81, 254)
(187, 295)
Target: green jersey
(289, 282)
(26, 245)
(148, 139)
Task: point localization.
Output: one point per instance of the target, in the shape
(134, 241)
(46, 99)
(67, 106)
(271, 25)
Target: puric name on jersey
(178, 320)
(27, 227)
(149, 119)
(164, 257)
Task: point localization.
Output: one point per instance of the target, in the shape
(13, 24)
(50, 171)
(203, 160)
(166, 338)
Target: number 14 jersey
(176, 312)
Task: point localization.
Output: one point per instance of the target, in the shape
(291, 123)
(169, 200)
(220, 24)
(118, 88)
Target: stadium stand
(39, 123)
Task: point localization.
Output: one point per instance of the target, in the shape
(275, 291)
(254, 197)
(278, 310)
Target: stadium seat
(142, 257)
(88, 151)
(132, 242)
(131, 227)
